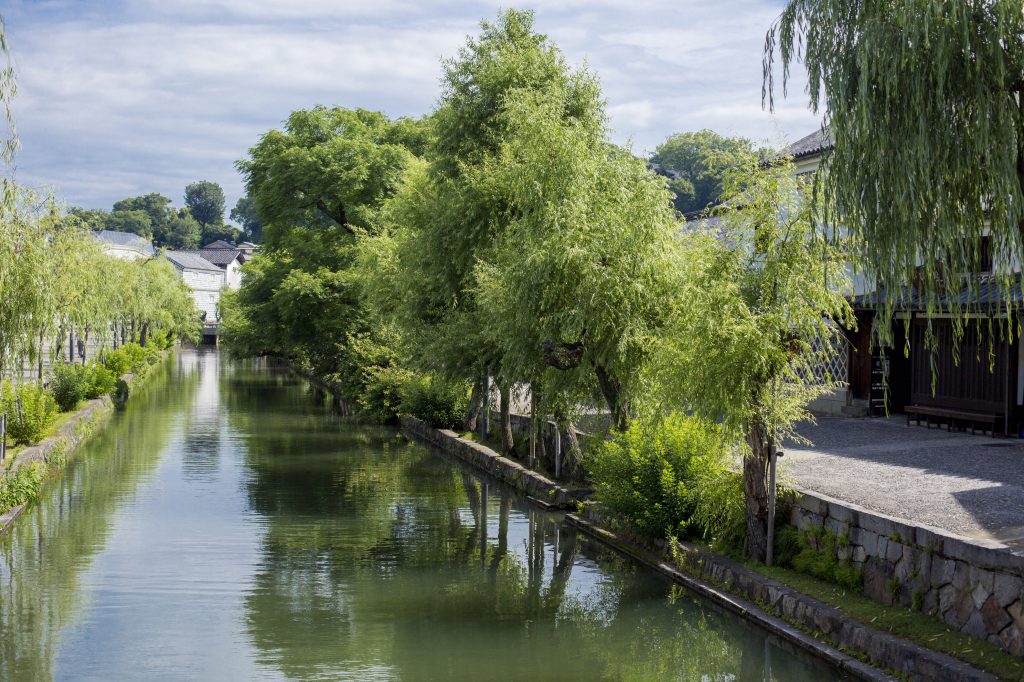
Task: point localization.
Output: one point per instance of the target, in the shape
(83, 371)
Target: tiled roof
(219, 244)
(990, 292)
(191, 260)
(809, 145)
(128, 239)
(221, 257)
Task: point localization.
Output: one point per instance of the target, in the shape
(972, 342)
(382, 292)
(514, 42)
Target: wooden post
(485, 411)
(773, 454)
(558, 450)
(533, 427)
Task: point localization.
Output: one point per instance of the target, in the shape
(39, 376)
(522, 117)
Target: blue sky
(118, 99)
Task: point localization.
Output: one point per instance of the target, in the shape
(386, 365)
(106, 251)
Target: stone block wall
(974, 586)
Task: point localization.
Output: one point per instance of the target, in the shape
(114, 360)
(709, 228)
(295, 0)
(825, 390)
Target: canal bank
(230, 525)
(774, 606)
(55, 450)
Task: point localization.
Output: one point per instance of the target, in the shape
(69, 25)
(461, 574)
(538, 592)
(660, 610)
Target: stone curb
(545, 491)
(906, 658)
(737, 605)
(910, 660)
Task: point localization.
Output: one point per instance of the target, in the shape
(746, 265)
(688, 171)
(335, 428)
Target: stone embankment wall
(974, 586)
(776, 607)
(529, 482)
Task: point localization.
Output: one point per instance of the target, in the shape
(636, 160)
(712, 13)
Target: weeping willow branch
(922, 98)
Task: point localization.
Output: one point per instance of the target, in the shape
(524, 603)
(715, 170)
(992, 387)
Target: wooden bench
(951, 415)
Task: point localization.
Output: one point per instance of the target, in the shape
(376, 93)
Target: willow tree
(580, 278)
(756, 319)
(924, 102)
(449, 218)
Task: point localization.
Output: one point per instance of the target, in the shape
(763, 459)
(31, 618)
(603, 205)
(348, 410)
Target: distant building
(203, 277)
(124, 244)
(226, 257)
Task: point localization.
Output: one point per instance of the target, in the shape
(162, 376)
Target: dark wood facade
(978, 374)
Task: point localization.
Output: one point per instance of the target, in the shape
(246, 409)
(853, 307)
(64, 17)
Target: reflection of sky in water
(253, 536)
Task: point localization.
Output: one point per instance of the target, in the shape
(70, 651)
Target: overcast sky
(118, 99)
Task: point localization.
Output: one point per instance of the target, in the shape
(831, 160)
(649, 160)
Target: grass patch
(912, 625)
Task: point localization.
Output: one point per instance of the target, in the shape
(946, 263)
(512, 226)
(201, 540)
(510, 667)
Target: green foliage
(698, 162)
(814, 552)
(244, 213)
(117, 361)
(205, 201)
(669, 477)
(136, 222)
(21, 485)
(130, 358)
(922, 98)
(319, 185)
(70, 384)
(30, 410)
(439, 403)
(101, 381)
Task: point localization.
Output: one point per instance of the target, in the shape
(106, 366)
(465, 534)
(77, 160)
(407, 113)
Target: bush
(70, 384)
(117, 361)
(21, 485)
(30, 409)
(670, 478)
(131, 357)
(382, 392)
(101, 381)
(440, 404)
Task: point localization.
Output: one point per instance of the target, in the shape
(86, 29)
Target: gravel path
(970, 485)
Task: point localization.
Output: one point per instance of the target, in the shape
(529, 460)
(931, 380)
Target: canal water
(229, 526)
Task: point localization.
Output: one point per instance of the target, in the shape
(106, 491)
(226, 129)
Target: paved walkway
(969, 485)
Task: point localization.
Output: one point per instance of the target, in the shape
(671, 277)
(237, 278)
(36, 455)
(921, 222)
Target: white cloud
(117, 100)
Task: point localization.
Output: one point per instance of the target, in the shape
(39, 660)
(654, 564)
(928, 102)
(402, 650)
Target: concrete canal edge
(85, 422)
(804, 622)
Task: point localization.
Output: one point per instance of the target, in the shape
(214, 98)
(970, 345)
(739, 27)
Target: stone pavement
(972, 486)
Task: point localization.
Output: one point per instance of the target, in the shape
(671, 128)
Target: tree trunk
(469, 420)
(143, 335)
(611, 389)
(755, 488)
(505, 397)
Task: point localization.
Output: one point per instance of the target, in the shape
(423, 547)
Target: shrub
(669, 477)
(70, 384)
(21, 485)
(101, 381)
(382, 391)
(30, 408)
(117, 361)
(436, 402)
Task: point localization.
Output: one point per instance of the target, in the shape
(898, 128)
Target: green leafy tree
(133, 221)
(699, 161)
(205, 202)
(447, 217)
(923, 100)
(758, 310)
(244, 213)
(327, 168)
(319, 183)
(579, 279)
(225, 232)
(92, 219)
(180, 231)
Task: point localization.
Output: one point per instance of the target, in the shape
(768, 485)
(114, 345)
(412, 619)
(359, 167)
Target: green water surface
(230, 526)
